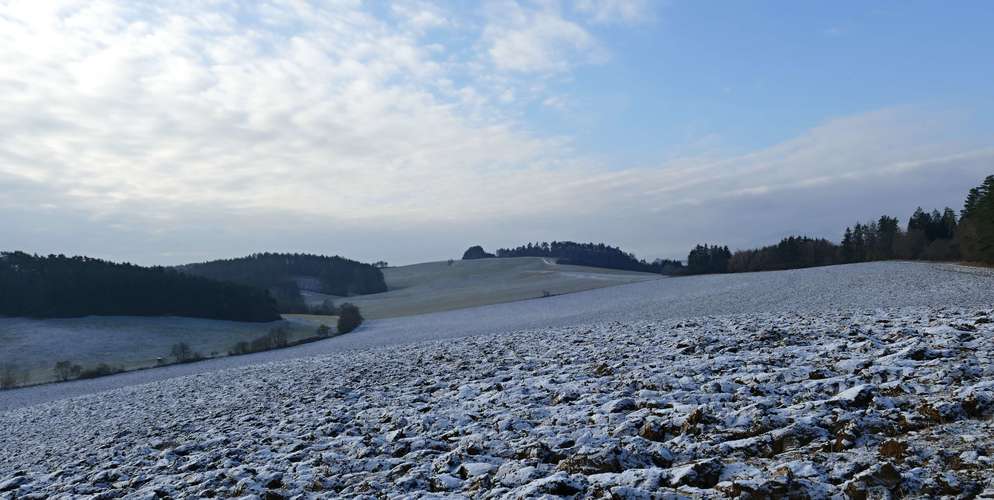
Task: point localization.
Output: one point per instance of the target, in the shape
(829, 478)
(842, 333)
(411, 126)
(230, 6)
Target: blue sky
(408, 130)
(750, 74)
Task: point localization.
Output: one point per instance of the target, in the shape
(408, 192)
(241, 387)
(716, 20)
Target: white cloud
(555, 102)
(421, 15)
(537, 39)
(130, 131)
(610, 11)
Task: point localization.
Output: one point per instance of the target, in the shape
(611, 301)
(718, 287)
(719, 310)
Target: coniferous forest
(59, 286)
(590, 254)
(929, 235)
(284, 275)
(935, 235)
(258, 287)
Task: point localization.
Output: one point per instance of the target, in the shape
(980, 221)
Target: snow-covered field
(441, 286)
(895, 402)
(880, 284)
(869, 379)
(33, 346)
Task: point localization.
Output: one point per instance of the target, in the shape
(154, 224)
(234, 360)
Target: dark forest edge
(257, 288)
(931, 236)
(581, 254)
(57, 286)
(286, 275)
(934, 236)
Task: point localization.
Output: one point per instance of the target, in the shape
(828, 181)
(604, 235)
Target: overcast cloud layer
(164, 135)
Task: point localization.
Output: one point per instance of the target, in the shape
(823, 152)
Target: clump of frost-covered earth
(864, 285)
(878, 403)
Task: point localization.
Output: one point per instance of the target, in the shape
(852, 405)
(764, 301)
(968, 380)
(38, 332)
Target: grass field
(33, 346)
(440, 286)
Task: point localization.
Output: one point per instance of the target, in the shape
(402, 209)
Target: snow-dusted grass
(871, 379)
(885, 402)
(870, 285)
(440, 286)
(129, 342)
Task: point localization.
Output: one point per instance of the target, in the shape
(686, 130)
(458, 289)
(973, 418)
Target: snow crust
(866, 285)
(821, 404)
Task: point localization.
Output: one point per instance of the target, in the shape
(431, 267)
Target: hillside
(871, 380)
(286, 275)
(586, 254)
(57, 286)
(851, 287)
(33, 346)
(442, 286)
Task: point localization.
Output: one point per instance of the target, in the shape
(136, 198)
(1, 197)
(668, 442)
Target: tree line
(284, 275)
(586, 254)
(929, 235)
(59, 286)
(935, 235)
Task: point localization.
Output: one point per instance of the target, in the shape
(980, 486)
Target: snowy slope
(819, 404)
(871, 285)
(440, 286)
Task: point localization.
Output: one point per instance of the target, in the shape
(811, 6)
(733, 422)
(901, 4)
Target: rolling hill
(443, 286)
(286, 275)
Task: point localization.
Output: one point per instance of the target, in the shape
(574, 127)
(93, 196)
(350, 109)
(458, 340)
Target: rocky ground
(869, 285)
(865, 404)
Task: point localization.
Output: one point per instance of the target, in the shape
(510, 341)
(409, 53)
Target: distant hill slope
(57, 286)
(441, 286)
(285, 275)
(591, 254)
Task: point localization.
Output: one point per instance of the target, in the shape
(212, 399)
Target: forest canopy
(57, 286)
(929, 235)
(284, 275)
(593, 255)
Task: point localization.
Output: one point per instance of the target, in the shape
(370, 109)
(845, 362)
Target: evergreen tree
(848, 246)
(888, 231)
(476, 252)
(971, 202)
(947, 224)
(859, 243)
(284, 275)
(976, 228)
(60, 286)
(919, 220)
(591, 254)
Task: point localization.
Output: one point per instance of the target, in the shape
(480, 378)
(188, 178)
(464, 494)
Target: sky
(406, 131)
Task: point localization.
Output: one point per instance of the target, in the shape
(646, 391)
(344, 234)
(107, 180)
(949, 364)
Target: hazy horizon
(407, 131)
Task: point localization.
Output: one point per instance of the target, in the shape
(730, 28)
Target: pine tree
(971, 203)
(887, 234)
(848, 246)
(976, 227)
(948, 223)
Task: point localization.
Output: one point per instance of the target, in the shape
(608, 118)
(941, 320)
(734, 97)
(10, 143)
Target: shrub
(100, 370)
(10, 376)
(349, 318)
(64, 370)
(476, 252)
(327, 308)
(324, 331)
(181, 352)
(276, 338)
(263, 343)
(242, 347)
(279, 337)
